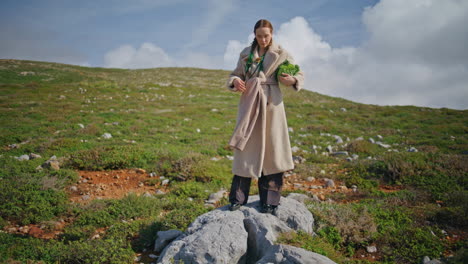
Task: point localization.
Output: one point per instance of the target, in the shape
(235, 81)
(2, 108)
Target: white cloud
(151, 56)
(415, 55)
(147, 56)
(233, 49)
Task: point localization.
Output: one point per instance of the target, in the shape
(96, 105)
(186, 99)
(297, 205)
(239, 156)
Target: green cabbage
(287, 67)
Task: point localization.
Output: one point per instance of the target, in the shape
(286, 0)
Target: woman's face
(263, 36)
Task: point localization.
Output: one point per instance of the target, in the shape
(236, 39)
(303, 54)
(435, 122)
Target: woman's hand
(240, 85)
(287, 79)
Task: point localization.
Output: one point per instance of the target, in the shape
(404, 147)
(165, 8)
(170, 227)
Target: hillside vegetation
(409, 180)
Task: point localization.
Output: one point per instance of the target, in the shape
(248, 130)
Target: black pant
(269, 188)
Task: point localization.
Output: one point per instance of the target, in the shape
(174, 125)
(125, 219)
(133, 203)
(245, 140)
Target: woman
(261, 140)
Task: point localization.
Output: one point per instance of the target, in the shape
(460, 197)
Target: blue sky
(387, 52)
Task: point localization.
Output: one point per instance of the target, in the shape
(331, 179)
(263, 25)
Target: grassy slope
(161, 110)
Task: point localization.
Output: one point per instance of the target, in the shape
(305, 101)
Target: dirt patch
(113, 184)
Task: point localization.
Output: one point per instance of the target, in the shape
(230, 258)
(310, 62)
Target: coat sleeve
(299, 76)
(238, 73)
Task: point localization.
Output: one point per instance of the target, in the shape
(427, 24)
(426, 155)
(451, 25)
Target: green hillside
(176, 122)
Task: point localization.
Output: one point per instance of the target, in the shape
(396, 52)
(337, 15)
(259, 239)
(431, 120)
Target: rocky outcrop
(244, 236)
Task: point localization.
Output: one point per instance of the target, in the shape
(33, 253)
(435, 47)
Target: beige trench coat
(268, 149)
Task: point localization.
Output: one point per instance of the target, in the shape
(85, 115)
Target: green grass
(154, 115)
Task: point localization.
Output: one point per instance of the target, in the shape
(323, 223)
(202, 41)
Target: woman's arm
(299, 77)
(238, 72)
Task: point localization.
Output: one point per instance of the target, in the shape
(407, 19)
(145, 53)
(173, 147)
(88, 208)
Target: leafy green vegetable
(287, 67)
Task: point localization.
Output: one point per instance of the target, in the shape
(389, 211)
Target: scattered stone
(152, 174)
(297, 185)
(340, 153)
(147, 194)
(198, 130)
(216, 197)
(371, 140)
(299, 197)
(290, 129)
(339, 140)
(349, 159)
(106, 135)
(314, 187)
(160, 192)
(322, 171)
(295, 149)
(412, 149)
(354, 188)
(229, 157)
(359, 138)
(81, 125)
(343, 187)
(215, 158)
(321, 197)
(73, 188)
(355, 156)
(165, 182)
(329, 183)
(298, 159)
(34, 156)
(141, 171)
(383, 145)
(190, 199)
(23, 157)
(329, 149)
(85, 197)
(343, 109)
(371, 249)
(379, 137)
(214, 110)
(310, 179)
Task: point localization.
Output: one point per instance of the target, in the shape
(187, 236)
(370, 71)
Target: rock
(165, 182)
(295, 149)
(343, 109)
(297, 185)
(81, 125)
(371, 249)
(359, 138)
(383, 145)
(379, 137)
(34, 156)
(152, 174)
(289, 254)
(321, 197)
(23, 157)
(355, 156)
(329, 149)
(210, 239)
(425, 259)
(412, 149)
(298, 159)
(310, 179)
(299, 197)
(85, 197)
(371, 140)
(198, 130)
(164, 238)
(106, 135)
(214, 110)
(349, 159)
(339, 140)
(329, 183)
(73, 188)
(354, 188)
(215, 158)
(290, 129)
(216, 197)
(229, 157)
(159, 192)
(340, 153)
(141, 171)
(322, 171)
(343, 187)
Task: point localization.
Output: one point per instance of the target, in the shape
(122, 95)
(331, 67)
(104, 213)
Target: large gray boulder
(243, 236)
(284, 254)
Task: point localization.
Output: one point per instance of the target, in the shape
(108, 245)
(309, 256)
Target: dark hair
(261, 23)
